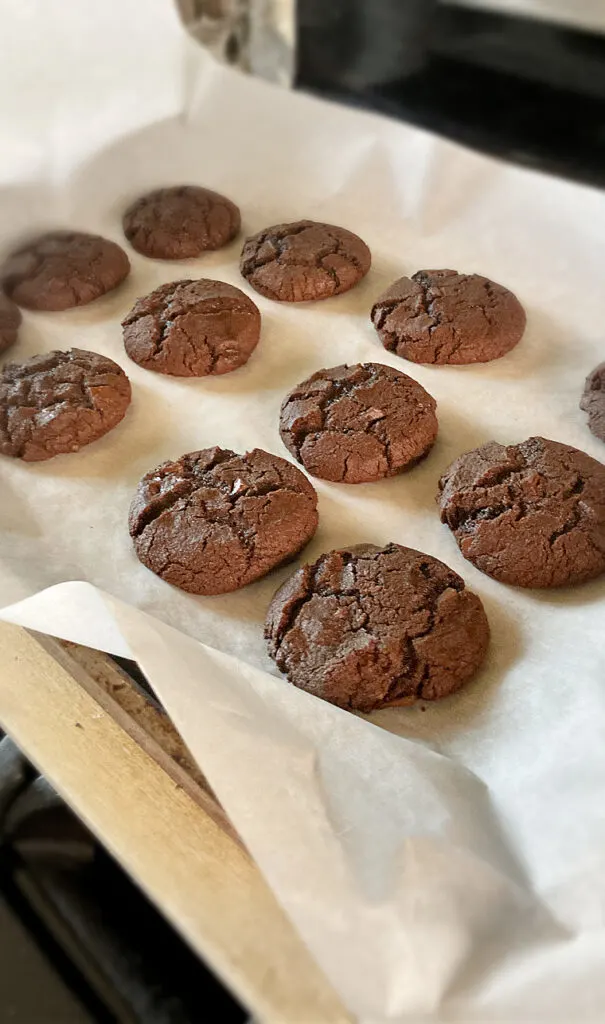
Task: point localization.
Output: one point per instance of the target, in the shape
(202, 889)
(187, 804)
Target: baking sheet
(449, 865)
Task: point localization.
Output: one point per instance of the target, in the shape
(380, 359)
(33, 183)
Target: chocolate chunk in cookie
(58, 402)
(369, 627)
(10, 319)
(355, 424)
(213, 521)
(304, 261)
(531, 514)
(192, 328)
(180, 223)
(63, 269)
(593, 401)
(440, 316)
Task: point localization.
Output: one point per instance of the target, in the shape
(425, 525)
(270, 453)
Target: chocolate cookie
(63, 269)
(58, 402)
(355, 424)
(192, 328)
(531, 514)
(10, 318)
(213, 521)
(180, 223)
(440, 316)
(304, 261)
(369, 627)
(593, 401)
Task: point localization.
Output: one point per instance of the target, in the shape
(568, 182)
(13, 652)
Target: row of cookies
(531, 515)
(206, 327)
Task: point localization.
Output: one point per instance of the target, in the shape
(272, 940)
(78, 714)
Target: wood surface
(119, 763)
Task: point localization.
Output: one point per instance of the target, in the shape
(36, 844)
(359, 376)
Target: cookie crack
(340, 389)
(191, 480)
(381, 310)
(158, 507)
(329, 270)
(413, 660)
(515, 477)
(346, 254)
(401, 682)
(571, 523)
(310, 575)
(161, 503)
(278, 244)
(437, 315)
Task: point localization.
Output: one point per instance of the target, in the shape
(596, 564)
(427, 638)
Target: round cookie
(10, 319)
(180, 223)
(213, 521)
(192, 328)
(593, 401)
(304, 261)
(63, 269)
(441, 316)
(531, 514)
(356, 424)
(369, 627)
(58, 402)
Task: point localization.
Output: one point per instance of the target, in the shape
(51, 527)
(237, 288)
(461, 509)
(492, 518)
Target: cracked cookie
(57, 402)
(304, 261)
(593, 401)
(213, 521)
(192, 328)
(531, 514)
(180, 223)
(10, 319)
(368, 627)
(440, 316)
(356, 424)
(63, 269)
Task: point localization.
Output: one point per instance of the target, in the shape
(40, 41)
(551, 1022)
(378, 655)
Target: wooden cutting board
(118, 762)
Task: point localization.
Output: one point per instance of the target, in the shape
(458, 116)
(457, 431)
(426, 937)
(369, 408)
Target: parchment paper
(449, 865)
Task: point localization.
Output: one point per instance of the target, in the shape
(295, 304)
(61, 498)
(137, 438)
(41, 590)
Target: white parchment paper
(450, 864)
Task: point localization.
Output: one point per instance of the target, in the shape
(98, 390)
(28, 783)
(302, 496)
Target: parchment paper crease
(443, 862)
